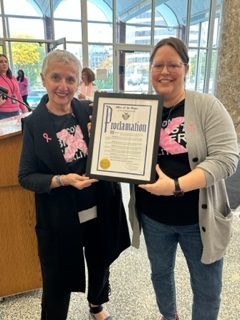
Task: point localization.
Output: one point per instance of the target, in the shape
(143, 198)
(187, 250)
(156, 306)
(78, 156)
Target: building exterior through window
(113, 37)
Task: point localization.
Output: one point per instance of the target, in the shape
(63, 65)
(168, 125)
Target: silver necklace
(170, 112)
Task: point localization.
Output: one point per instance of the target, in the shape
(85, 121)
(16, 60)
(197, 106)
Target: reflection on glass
(101, 62)
(138, 34)
(134, 28)
(204, 34)
(136, 77)
(194, 35)
(164, 32)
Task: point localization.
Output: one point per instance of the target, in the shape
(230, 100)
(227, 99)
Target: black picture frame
(124, 137)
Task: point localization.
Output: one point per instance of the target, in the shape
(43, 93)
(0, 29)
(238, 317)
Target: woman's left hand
(164, 186)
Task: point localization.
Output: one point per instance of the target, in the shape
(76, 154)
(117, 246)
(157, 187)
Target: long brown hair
(9, 72)
(90, 74)
(21, 75)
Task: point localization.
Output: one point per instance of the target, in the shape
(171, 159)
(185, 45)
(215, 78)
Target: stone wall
(228, 72)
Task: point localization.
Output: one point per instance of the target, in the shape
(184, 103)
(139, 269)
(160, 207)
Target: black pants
(25, 99)
(55, 303)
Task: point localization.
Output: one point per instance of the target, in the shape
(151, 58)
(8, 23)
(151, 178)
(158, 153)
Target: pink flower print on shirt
(171, 136)
(72, 142)
(63, 135)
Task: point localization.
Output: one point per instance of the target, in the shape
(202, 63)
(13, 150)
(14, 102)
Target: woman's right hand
(77, 181)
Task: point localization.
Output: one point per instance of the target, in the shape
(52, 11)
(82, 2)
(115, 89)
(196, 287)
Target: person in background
(9, 107)
(23, 85)
(187, 205)
(77, 218)
(87, 86)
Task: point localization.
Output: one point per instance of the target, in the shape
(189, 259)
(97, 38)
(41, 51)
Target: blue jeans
(206, 279)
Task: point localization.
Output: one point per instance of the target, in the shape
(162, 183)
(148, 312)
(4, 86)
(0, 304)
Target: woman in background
(87, 86)
(23, 85)
(9, 107)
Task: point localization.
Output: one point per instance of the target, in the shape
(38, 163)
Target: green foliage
(28, 57)
(25, 53)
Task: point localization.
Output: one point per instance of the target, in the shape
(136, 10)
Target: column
(228, 71)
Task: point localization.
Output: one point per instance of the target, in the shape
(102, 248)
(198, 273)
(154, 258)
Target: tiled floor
(132, 295)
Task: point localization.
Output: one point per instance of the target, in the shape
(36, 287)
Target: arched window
(107, 35)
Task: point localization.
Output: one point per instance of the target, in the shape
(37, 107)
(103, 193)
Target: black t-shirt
(173, 160)
(75, 150)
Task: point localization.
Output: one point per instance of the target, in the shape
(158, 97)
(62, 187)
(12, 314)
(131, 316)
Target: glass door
(132, 71)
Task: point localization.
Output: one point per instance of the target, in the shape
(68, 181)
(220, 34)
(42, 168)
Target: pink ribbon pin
(45, 136)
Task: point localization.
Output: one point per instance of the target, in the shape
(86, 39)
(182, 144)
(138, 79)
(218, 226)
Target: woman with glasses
(187, 205)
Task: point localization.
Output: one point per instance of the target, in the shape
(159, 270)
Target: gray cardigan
(212, 146)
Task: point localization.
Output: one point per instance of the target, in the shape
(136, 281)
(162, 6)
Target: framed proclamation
(124, 138)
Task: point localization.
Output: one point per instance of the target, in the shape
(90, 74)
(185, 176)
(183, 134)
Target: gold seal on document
(105, 163)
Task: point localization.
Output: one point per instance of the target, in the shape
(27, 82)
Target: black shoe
(95, 310)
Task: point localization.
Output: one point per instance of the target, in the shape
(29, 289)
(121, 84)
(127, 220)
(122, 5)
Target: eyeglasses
(171, 67)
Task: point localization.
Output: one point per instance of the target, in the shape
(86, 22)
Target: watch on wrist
(178, 192)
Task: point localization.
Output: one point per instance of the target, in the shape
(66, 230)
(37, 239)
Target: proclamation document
(124, 137)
